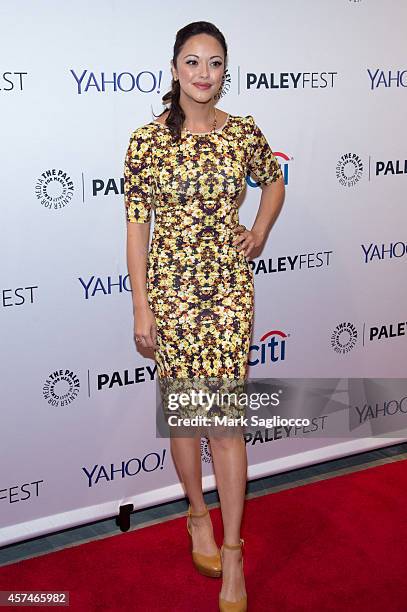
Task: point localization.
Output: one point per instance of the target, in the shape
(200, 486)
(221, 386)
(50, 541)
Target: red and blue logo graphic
(270, 349)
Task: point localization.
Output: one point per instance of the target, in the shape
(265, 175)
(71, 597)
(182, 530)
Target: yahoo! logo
(388, 78)
(144, 81)
(377, 252)
(95, 285)
(127, 468)
(270, 349)
(284, 168)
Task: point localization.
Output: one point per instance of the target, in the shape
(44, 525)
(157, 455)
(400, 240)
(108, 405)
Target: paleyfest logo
(54, 189)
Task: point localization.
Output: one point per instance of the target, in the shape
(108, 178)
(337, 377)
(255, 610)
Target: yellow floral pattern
(199, 286)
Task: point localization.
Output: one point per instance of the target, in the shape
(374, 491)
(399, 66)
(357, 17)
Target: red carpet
(334, 545)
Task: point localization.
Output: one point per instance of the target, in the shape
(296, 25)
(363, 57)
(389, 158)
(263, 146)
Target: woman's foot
(233, 585)
(203, 540)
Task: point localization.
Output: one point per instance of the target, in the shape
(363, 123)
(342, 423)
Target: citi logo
(271, 348)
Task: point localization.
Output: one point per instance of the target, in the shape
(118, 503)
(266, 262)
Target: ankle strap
(197, 514)
(234, 546)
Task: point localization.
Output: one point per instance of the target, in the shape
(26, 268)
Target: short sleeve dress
(199, 286)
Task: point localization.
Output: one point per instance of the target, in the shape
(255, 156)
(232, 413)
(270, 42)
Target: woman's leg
(230, 466)
(186, 453)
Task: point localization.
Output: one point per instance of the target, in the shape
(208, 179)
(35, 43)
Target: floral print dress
(199, 286)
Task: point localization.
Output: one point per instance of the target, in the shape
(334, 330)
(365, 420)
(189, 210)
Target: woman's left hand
(246, 240)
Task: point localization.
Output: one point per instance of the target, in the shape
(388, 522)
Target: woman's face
(200, 67)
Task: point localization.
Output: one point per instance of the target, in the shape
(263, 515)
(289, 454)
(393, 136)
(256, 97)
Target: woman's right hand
(145, 328)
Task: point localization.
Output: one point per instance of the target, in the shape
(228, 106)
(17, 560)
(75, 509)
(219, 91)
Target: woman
(193, 291)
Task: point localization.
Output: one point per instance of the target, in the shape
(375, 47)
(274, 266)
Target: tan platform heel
(208, 565)
(233, 606)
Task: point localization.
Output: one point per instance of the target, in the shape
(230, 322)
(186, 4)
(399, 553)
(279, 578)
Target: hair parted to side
(176, 115)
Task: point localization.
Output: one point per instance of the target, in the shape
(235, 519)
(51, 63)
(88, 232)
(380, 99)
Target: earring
(224, 87)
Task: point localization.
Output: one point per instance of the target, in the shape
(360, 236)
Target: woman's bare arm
(271, 203)
(138, 235)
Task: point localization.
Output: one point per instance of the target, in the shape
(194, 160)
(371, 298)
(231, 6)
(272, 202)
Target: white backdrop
(326, 82)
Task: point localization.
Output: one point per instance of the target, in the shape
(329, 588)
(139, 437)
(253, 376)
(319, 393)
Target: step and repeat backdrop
(327, 84)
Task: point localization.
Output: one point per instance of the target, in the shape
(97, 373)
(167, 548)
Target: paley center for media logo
(345, 335)
(350, 168)
(54, 188)
(61, 388)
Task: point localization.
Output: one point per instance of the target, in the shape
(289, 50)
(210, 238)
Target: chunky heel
(208, 565)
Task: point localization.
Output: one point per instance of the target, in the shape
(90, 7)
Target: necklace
(213, 127)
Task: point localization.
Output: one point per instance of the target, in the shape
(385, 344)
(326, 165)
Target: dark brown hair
(176, 115)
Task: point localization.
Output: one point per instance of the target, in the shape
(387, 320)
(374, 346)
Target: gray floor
(141, 518)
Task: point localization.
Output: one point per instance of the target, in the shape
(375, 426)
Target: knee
(226, 443)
